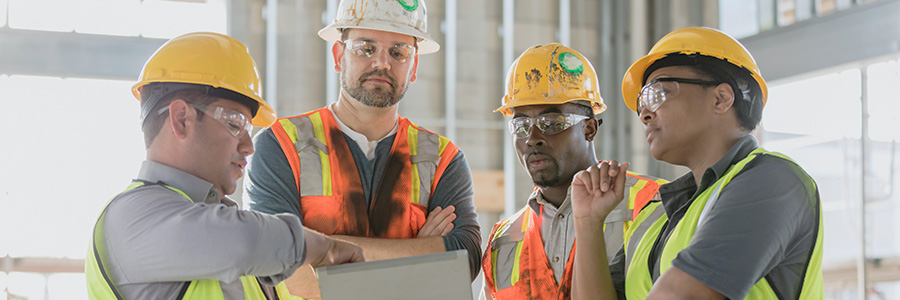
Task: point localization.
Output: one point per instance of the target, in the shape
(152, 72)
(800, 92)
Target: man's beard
(378, 96)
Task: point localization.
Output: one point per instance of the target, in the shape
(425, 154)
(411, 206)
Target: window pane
(168, 19)
(50, 15)
(110, 17)
(81, 145)
(739, 18)
(3, 5)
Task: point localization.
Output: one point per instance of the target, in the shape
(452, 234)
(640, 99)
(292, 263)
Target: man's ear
(591, 127)
(724, 97)
(180, 115)
(337, 52)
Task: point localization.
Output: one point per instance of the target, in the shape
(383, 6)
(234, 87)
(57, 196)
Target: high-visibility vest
(331, 197)
(527, 267)
(101, 286)
(650, 222)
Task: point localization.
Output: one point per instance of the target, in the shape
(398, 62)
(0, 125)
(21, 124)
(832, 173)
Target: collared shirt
(156, 239)
(557, 229)
(764, 224)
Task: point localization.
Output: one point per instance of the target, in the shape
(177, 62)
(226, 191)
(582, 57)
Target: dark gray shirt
(272, 188)
(763, 225)
(156, 239)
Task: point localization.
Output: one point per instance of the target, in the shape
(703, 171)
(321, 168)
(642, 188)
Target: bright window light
(3, 5)
(739, 18)
(168, 19)
(824, 106)
(49, 15)
(108, 17)
(80, 143)
(883, 103)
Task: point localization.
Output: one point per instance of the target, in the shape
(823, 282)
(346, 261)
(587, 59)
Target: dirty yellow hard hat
(691, 40)
(205, 59)
(399, 16)
(551, 74)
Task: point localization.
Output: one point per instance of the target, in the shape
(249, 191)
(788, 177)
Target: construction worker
(173, 234)
(744, 223)
(355, 169)
(553, 98)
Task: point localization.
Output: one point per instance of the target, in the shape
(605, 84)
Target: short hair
(747, 104)
(154, 120)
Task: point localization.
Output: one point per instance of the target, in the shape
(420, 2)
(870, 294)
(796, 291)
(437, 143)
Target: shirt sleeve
(270, 181)
(617, 273)
(764, 218)
(455, 188)
(155, 235)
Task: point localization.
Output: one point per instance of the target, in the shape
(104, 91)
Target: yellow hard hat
(551, 74)
(691, 40)
(399, 16)
(211, 59)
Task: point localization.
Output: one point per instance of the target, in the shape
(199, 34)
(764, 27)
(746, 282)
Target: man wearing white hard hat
(356, 170)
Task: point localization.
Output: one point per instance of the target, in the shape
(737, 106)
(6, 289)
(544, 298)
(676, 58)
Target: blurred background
(70, 137)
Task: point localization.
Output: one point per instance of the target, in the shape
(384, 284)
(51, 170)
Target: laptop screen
(436, 276)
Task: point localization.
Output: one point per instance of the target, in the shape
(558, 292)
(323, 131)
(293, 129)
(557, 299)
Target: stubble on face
(377, 96)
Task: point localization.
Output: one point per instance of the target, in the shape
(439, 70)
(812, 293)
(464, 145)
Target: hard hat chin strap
(152, 93)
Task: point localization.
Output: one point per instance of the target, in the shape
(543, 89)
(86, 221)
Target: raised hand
(597, 190)
(438, 223)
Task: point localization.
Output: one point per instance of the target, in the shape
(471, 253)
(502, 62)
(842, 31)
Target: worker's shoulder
(776, 167)
(634, 178)
(510, 229)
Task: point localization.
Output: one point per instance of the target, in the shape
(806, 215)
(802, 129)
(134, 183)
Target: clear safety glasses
(657, 91)
(236, 122)
(399, 52)
(551, 123)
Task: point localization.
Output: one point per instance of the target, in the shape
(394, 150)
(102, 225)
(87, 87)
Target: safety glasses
(236, 122)
(550, 123)
(398, 52)
(657, 91)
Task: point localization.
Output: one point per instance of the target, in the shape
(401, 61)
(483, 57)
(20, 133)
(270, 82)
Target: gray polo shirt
(557, 229)
(156, 240)
(272, 189)
(763, 225)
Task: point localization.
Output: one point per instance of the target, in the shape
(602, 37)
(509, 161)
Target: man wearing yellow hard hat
(173, 234)
(358, 171)
(744, 223)
(553, 98)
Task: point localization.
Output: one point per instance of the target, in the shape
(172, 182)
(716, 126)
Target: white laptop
(435, 276)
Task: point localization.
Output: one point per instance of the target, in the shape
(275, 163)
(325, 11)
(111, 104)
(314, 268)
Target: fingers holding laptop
(322, 250)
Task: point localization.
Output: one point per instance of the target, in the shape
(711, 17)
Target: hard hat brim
(426, 43)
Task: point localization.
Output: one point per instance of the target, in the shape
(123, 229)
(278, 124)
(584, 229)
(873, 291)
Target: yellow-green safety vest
(101, 286)
(650, 221)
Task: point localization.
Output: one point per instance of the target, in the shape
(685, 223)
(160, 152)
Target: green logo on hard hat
(571, 63)
(409, 5)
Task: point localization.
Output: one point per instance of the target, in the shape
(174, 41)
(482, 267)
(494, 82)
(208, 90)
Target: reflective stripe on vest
(530, 276)
(326, 176)
(503, 267)
(638, 279)
(331, 197)
(101, 286)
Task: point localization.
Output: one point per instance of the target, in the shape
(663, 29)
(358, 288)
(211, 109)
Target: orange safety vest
(331, 197)
(529, 273)
(534, 279)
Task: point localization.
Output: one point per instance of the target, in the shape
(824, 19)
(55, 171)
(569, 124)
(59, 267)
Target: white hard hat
(399, 16)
